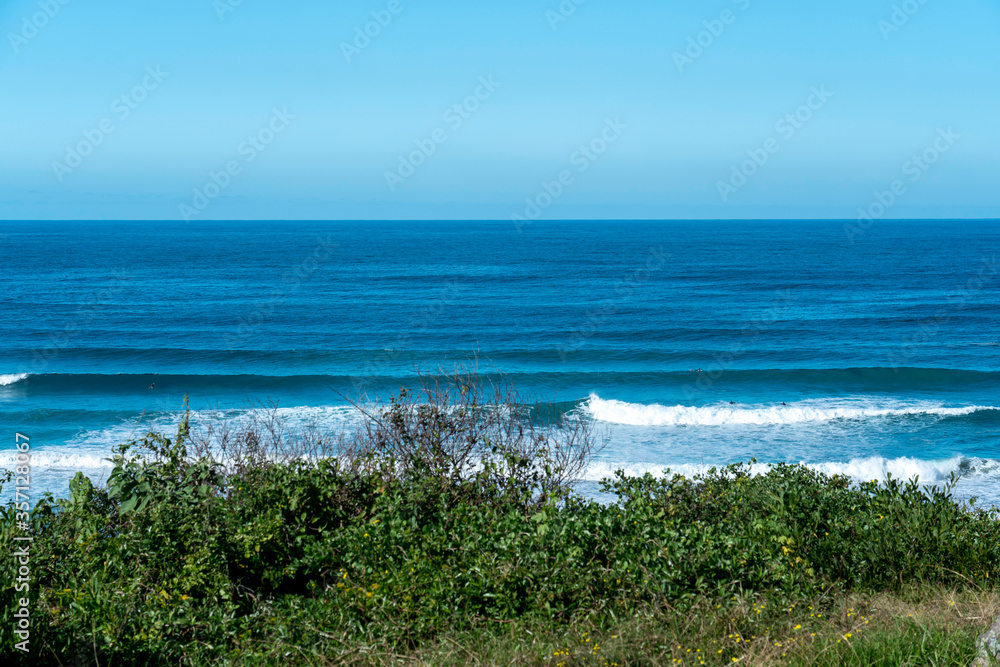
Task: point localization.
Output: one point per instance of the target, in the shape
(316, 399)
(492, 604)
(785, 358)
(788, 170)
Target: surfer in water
(152, 386)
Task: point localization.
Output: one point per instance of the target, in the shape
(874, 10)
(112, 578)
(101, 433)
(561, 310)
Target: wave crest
(821, 410)
(11, 378)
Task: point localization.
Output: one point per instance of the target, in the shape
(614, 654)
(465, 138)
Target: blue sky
(229, 76)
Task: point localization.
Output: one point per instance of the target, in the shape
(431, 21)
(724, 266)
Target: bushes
(447, 513)
(793, 527)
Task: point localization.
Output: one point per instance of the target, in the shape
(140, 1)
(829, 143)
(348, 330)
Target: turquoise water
(693, 343)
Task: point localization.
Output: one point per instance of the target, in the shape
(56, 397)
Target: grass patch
(925, 625)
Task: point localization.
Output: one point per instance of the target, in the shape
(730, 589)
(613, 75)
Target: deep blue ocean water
(694, 343)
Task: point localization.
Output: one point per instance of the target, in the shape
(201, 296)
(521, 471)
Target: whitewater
(815, 410)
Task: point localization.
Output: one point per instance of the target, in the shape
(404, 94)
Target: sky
(527, 109)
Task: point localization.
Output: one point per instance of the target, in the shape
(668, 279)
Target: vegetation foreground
(444, 531)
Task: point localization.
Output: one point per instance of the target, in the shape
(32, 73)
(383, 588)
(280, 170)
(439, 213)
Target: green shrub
(447, 515)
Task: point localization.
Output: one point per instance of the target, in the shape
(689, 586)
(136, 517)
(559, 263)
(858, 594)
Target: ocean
(863, 350)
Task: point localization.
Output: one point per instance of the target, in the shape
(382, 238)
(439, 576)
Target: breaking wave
(818, 410)
(12, 378)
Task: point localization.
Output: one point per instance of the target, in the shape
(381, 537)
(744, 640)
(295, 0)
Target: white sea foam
(56, 458)
(858, 469)
(602, 470)
(89, 450)
(11, 378)
(904, 467)
(816, 410)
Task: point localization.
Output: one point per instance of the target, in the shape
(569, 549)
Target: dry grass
(915, 627)
(856, 619)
